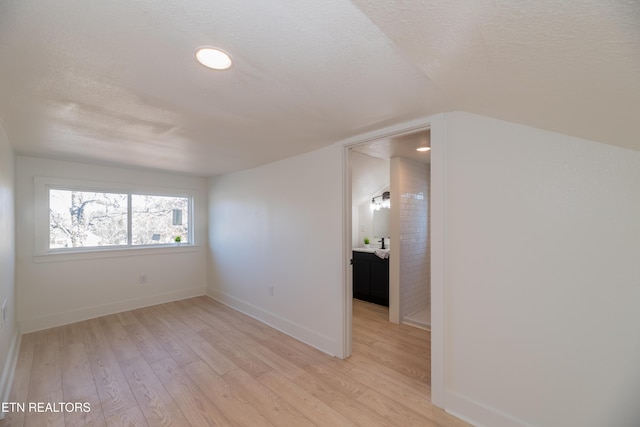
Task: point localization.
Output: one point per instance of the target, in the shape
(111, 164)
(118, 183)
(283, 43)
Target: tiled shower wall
(415, 289)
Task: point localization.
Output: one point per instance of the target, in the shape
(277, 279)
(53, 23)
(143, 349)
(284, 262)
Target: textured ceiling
(569, 66)
(116, 82)
(399, 146)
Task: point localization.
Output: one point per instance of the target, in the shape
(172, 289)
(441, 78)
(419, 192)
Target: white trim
(91, 253)
(88, 185)
(396, 130)
(130, 219)
(321, 342)
(438, 220)
(394, 251)
(10, 368)
(347, 249)
(72, 316)
(474, 412)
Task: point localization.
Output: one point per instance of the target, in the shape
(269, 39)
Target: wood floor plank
(298, 353)
(214, 358)
(248, 325)
(226, 321)
(395, 335)
(238, 411)
(122, 345)
(113, 389)
(171, 342)
(240, 357)
(393, 412)
(94, 417)
(337, 374)
(418, 385)
(269, 404)
(22, 375)
(307, 404)
(274, 360)
(397, 396)
(193, 401)
(132, 417)
(214, 322)
(395, 340)
(126, 318)
(338, 400)
(394, 388)
(182, 312)
(45, 384)
(156, 403)
(72, 334)
(147, 344)
(198, 362)
(77, 379)
(413, 371)
(245, 324)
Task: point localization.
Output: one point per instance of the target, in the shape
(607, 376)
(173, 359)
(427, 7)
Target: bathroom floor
(419, 319)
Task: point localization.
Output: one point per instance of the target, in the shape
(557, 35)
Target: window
(97, 219)
(81, 219)
(159, 219)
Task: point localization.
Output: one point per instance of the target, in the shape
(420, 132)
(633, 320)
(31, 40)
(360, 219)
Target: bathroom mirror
(381, 223)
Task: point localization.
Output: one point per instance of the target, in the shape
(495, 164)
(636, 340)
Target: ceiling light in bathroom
(213, 58)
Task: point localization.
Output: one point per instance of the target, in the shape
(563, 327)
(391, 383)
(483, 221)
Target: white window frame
(42, 217)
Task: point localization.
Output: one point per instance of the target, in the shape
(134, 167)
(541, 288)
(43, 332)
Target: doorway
(396, 151)
(437, 126)
(397, 167)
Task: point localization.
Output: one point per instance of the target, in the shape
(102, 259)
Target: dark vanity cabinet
(370, 278)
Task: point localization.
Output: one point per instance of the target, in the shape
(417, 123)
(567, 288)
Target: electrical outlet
(270, 291)
(142, 278)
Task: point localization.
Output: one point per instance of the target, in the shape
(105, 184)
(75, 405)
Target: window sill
(113, 253)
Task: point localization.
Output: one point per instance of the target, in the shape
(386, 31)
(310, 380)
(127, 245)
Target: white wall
(280, 226)
(542, 292)
(412, 198)
(55, 290)
(9, 334)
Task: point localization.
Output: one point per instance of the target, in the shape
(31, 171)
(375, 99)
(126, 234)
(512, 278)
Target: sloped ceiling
(116, 81)
(570, 66)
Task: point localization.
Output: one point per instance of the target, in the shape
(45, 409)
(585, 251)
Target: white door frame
(438, 134)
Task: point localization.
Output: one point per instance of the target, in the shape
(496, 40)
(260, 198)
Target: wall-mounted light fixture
(381, 201)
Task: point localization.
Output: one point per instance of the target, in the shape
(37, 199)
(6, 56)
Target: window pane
(159, 219)
(80, 219)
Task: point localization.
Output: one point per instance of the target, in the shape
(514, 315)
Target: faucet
(381, 240)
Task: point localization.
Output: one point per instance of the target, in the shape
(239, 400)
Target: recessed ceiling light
(423, 148)
(213, 58)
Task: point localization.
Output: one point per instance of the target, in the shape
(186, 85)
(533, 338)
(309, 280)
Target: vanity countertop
(370, 250)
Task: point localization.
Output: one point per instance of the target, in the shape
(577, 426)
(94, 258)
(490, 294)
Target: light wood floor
(199, 363)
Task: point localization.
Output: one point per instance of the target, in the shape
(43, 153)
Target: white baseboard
(9, 368)
(478, 414)
(59, 319)
(323, 343)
